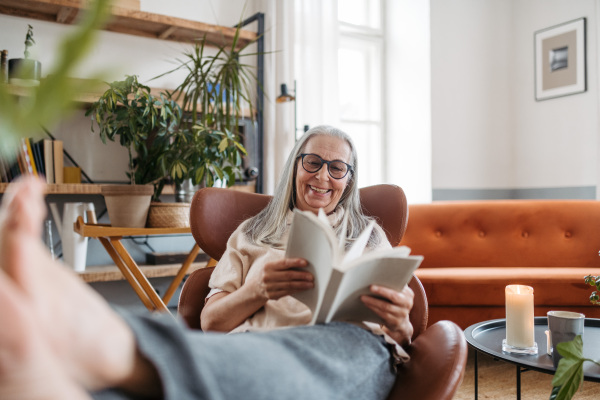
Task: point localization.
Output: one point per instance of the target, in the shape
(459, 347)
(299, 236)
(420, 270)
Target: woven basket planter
(169, 215)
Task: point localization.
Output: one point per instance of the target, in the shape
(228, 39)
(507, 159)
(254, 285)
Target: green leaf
(572, 349)
(571, 385)
(569, 373)
(241, 147)
(223, 145)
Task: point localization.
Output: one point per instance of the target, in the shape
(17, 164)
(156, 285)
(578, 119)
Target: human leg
(311, 362)
(73, 328)
(329, 361)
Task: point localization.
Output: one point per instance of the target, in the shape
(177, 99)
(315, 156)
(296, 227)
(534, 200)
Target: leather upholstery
(473, 249)
(438, 354)
(207, 206)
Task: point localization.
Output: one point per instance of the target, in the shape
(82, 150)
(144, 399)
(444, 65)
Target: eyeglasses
(312, 163)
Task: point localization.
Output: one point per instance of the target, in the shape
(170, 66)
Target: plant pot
(127, 205)
(23, 71)
(169, 215)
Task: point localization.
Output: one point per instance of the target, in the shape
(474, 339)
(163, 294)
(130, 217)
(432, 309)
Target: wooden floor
(497, 380)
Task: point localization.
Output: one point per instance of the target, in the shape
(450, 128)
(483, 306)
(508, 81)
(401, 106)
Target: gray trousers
(331, 361)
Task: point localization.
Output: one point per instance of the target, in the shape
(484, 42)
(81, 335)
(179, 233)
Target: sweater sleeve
(232, 268)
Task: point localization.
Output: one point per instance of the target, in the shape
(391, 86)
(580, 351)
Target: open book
(341, 277)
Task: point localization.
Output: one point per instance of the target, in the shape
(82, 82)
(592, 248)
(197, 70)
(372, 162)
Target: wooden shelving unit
(129, 21)
(132, 21)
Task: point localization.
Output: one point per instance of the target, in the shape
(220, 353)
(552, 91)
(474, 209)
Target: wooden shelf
(107, 273)
(88, 188)
(66, 188)
(87, 98)
(128, 21)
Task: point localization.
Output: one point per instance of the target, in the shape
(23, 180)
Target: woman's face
(318, 189)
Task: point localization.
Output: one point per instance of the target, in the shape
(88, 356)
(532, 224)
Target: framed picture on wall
(560, 60)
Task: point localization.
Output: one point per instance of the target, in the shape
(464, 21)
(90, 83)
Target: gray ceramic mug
(563, 327)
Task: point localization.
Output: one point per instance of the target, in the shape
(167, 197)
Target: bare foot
(62, 321)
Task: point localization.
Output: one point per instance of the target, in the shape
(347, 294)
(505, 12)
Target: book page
(314, 241)
(389, 268)
(329, 297)
(358, 247)
(342, 235)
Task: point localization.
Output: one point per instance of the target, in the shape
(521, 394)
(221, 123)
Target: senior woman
(68, 341)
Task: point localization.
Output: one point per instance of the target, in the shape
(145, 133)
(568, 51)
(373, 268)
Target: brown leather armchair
(438, 354)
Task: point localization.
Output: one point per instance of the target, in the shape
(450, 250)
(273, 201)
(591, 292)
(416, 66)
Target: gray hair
(268, 226)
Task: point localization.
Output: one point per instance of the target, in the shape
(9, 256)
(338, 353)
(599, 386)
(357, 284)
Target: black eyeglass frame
(350, 169)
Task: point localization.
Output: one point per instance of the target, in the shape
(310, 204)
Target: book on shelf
(41, 158)
(4, 171)
(58, 161)
(341, 277)
(49, 160)
(36, 148)
(28, 163)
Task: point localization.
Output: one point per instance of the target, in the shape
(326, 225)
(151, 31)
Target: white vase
(74, 246)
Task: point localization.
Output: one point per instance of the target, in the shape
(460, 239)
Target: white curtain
(316, 47)
(301, 45)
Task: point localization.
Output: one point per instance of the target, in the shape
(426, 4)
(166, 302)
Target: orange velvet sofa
(473, 249)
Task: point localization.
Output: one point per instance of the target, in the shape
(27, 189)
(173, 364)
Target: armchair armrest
(440, 352)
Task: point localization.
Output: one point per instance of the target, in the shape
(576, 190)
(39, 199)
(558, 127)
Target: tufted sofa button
(481, 234)
(438, 233)
(525, 234)
(568, 234)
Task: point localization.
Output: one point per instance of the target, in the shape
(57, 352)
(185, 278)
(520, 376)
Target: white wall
(408, 97)
(555, 140)
(488, 131)
(471, 101)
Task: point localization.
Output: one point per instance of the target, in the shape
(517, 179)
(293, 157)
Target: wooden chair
(438, 353)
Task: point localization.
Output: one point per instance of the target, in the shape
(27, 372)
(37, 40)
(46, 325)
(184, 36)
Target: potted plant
(25, 71)
(214, 94)
(161, 148)
(142, 123)
(569, 373)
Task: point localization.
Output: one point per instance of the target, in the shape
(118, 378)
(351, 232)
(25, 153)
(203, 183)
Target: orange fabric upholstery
(438, 354)
(473, 249)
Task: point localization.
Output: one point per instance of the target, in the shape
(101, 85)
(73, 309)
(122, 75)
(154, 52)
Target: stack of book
(40, 158)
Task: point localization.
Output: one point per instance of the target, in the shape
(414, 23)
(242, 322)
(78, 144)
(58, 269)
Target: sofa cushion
(485, 286)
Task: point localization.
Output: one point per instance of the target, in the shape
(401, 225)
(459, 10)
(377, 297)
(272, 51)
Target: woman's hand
(394, 310)
(280, 278)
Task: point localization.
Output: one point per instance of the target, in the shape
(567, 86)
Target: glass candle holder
(520, 333)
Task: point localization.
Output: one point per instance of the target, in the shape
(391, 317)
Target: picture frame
(560, 60)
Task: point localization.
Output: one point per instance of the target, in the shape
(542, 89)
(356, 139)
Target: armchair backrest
(215, 213)
(223, 210)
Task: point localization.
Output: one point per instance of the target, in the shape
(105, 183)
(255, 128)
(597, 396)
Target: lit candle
(519, 316)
